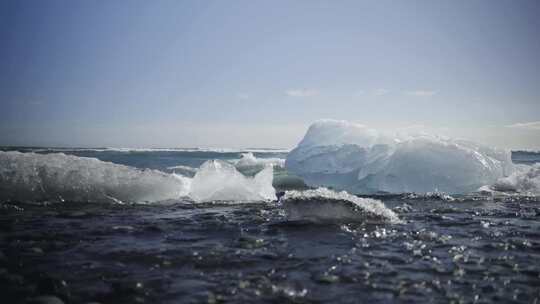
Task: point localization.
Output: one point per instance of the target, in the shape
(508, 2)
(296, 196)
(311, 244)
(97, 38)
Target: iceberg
(56, 177)
(249, 160)
(37, 177)
(183, 170)
(352, 157)
(250, 165)
(524, 181)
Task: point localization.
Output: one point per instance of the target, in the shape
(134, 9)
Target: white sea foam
(358, 159)
(430, 195)
(219, 180)
(59, 177)
(324, 204)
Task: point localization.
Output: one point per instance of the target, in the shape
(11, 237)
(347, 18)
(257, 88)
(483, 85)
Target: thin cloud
(36, 102)
(421, 93)
(380, 92)
(533, 125)
(359, 93)
(302, 92)
(242, 96)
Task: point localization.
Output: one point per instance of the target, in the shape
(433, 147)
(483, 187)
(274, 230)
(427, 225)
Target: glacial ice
(249, 160)
(322, 204)
(524, 181)
(60, 177)
(183, 170)
(249, 165)
(219, 180)
(33, 177)
(353, 157)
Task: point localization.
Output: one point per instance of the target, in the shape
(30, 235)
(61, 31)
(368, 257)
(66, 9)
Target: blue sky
(257, 73)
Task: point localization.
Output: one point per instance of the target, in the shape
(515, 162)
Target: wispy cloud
(533, 125)
(32, 102)
(242, 96)
(302, 92)
(380, 92)
(421, 93)
(359, 93)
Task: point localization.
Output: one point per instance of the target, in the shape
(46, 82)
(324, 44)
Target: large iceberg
(353, 157)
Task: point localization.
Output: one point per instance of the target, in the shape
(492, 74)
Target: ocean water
(310, 246)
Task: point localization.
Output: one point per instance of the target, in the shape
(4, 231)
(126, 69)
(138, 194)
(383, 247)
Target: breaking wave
(326, 205)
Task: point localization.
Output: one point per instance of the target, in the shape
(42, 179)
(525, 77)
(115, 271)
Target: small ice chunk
(219, 180)
(249, 160)
(526, 181)
(327, 205)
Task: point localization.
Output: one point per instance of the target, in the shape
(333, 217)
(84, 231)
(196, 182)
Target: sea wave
(322, 204)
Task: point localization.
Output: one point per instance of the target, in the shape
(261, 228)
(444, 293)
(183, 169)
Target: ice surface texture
(32, 177)
(352, 157)
(59, 177)
(525, 181)
(249, 160)
(219, 180)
